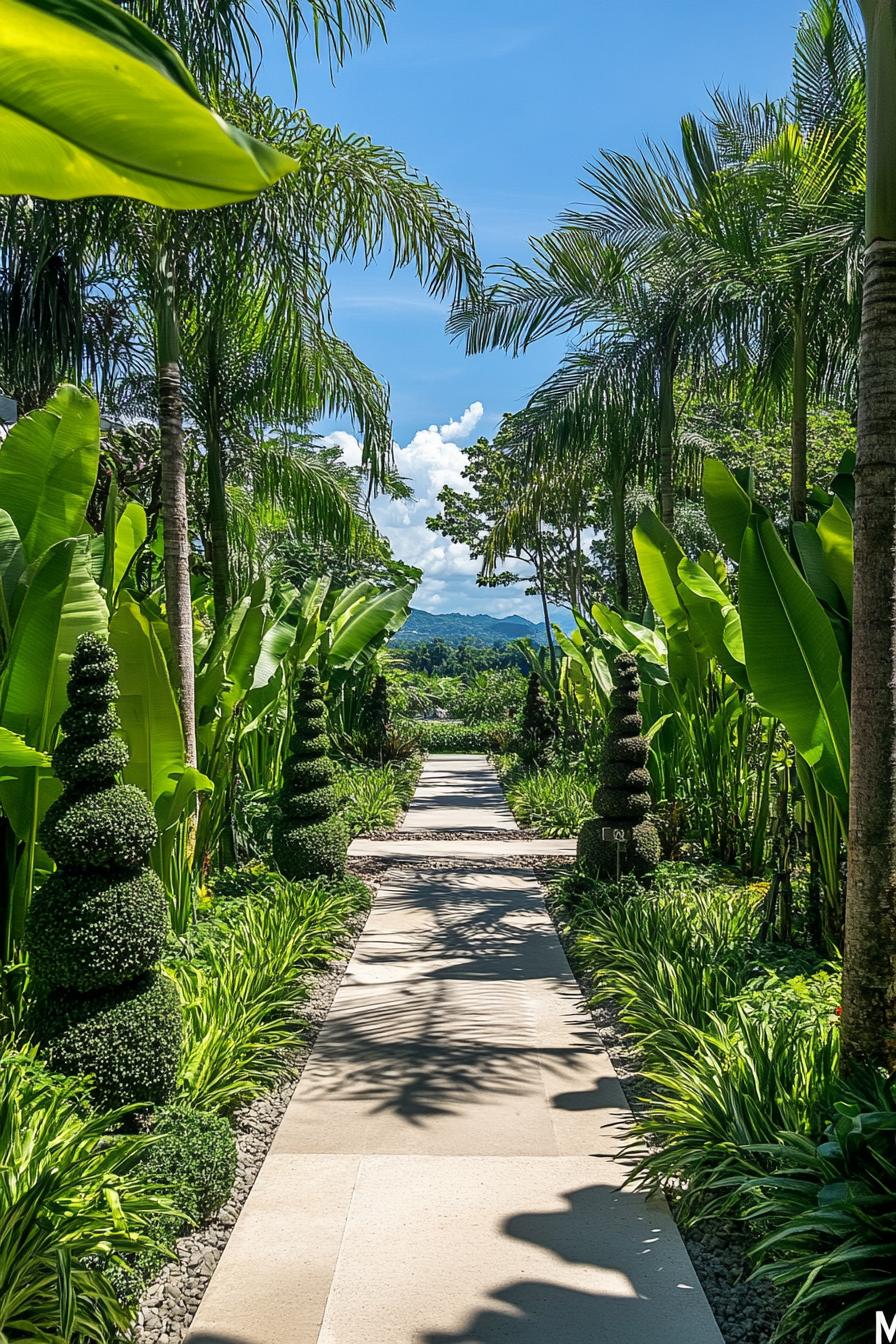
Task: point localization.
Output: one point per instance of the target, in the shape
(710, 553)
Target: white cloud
(433, 458)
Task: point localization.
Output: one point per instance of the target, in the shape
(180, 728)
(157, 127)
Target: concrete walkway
(447, 1171)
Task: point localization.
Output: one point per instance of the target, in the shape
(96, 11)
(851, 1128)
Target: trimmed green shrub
(309, 838)
(96, 927)
(622, 800)
(194, 1159)
(538, 725)
(450, 737)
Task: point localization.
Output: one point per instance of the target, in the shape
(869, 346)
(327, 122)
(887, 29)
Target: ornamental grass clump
(310, 837)
(622, 800)
(97, 926)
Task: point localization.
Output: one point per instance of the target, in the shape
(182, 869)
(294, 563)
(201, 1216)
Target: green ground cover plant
(444, 736)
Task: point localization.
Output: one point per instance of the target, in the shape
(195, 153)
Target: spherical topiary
(96, 928)
(127, 1038)
(622, 800)
(86, 932)
(310, 839)
(194, 1158)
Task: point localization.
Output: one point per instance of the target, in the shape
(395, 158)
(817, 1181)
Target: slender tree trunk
(667, 437)
(799, 433)
(869, 981)
(539, 573)
(620, 567)
(217, 524)
(869, 967)
(178, 605)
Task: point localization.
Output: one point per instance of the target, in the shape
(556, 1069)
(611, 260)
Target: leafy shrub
(374, 797)
(448, 737)
(831, 1207)
(554, 801)
(721, 1105)
(194, 1159)
(96, 927)
(622, 799)
(69, 1186)
(243, 987)
(489, 696)
(538, 725)
(309, 838)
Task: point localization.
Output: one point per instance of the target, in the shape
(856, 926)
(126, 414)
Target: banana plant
(95, 104)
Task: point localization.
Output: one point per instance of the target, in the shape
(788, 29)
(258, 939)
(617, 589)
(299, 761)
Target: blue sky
(502, 102)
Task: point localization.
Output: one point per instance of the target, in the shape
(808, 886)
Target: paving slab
(513, 847)
(458, 793)
(449, 1169)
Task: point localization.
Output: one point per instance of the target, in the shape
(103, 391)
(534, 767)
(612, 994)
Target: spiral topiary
(622, 800)
(97, 926)
(310, 839)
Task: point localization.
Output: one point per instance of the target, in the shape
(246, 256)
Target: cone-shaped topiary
(97, 926)
(538, 724)
(622, 800)
(310, 838)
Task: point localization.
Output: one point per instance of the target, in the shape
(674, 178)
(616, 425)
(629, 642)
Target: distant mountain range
(454, 627)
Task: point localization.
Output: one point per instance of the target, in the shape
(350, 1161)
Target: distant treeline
(442, 659)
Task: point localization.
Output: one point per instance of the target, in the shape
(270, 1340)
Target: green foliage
(75, 1197)
(622, 799)
(194, 1159)
(242, 990)
(537, 725)
(437, 735)
(310, 838)
(438, 657)
(372, 798)
(554, 801)
(831, 1211)
(116, 1022)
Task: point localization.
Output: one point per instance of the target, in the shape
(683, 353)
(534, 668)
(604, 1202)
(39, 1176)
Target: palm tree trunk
(620, 566)
(869, 968)
(217, 524)
(799, 436)
(546, 615)
(667, 437)
(175, 523)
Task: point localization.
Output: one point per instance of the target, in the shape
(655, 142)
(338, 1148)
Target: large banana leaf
(713, 616)
(61, 603)
(94, 104)
(792, 656)
(659, 556)
(48, 465)
(15, 752)
(12, 565)
(728, 505)
(130, 534)
(368, 622)
(835, 532)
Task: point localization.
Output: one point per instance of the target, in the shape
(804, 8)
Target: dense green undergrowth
(91, 1202)
(553, 800)
(745, 1115)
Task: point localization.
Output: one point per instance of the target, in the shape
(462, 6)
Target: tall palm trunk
(178, 605)
(799, 432)
(617, 522)
(217, 523)
(667, 434)
(542, 591)
(869, 978)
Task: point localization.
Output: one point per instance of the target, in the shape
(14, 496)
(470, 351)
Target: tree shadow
(646, 1290)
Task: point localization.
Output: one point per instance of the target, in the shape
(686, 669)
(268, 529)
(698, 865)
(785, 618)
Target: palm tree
(869, 981)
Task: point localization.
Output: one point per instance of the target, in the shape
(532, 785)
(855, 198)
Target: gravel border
(169, 1304)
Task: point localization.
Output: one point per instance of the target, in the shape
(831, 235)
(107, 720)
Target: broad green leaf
(171, 807)
(369, 621)
(15, 751)
(61, 603)
(94, 104)
(835, 532)
(812, 562)
(48, 465)
(147, 706)
(728, 506)
(130, 534)
(12, 565)
(712, 613)
(659, 556)
(792, 657)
